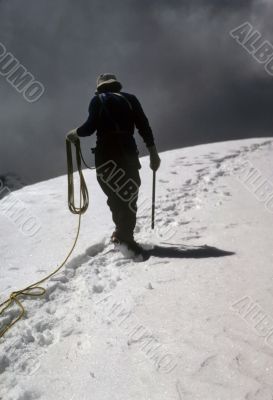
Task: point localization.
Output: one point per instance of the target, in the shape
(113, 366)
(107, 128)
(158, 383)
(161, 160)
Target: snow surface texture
(178, 326)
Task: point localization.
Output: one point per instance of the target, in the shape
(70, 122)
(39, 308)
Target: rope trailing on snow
(35, 290)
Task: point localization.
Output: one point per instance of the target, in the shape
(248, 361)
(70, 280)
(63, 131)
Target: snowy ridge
(12, 181)
(181, 296)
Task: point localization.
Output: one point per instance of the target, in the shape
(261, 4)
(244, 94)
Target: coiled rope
(35, 290)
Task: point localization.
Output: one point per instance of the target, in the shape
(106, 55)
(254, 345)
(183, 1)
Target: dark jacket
(115, 117)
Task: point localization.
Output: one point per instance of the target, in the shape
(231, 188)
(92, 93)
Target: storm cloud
(196, 84)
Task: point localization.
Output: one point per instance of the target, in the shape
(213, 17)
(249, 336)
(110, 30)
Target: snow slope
(183, 325)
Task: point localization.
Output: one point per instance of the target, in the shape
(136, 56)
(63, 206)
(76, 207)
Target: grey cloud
(196, 84)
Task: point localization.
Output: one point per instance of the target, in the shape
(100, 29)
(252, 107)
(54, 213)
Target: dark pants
(118, 176)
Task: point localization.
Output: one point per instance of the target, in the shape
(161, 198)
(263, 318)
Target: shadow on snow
(184, 251)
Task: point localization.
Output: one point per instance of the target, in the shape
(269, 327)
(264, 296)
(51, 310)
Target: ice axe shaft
(153, 200)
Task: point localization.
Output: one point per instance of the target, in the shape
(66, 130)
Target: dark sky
(196, 84)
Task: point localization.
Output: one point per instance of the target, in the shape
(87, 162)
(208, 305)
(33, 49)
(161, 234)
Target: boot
(128, 240)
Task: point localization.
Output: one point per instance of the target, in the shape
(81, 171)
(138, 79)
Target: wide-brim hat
(106, 79)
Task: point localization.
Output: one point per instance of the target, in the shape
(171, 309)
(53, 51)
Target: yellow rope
(34, 289)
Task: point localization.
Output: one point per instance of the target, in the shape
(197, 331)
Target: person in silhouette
(113, 115)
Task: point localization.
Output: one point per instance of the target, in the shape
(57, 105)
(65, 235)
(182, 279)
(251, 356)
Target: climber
(114, 114)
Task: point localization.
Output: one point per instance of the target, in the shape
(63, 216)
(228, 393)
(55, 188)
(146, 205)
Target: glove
(154, 158)
(72, 136)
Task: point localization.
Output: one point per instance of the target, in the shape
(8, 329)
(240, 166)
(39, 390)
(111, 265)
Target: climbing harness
(35, 290)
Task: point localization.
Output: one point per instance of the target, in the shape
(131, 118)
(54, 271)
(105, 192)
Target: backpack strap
(101, 97)
(125, 98)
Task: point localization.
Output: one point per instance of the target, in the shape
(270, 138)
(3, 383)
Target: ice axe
(153, 200)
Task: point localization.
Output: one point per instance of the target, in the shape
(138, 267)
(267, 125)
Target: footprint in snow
(95, 249)
(29, 366)
(162, 181)
(98, 288)
(170, 207)
(4, 363)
